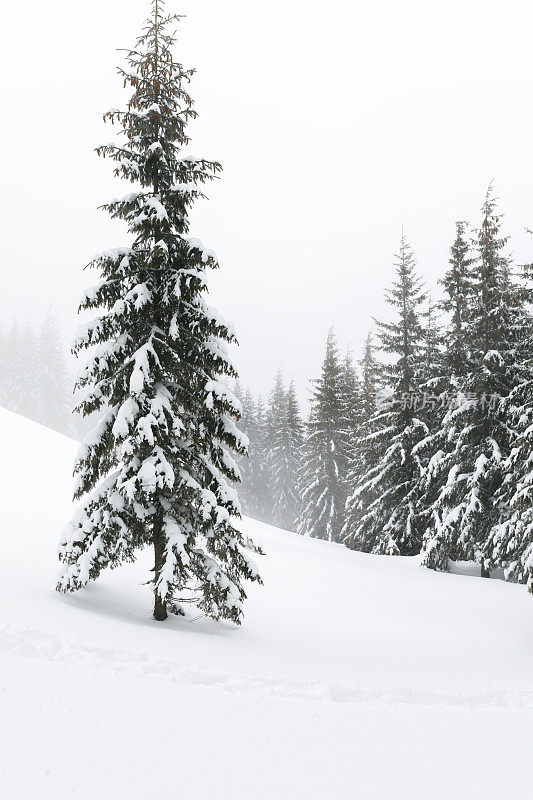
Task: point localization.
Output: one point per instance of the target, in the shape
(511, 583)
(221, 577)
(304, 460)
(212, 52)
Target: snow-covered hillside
(353, 676)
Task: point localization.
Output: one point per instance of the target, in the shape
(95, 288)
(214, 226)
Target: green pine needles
(159, 467)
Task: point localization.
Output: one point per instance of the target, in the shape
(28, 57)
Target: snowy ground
(353, 676)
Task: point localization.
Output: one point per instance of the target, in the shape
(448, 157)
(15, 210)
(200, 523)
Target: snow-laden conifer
(382, 512)
(351, 401)
(456, 304)
(432, 352)
(444, 374)
(371, 373)
(286, 438)
(158, 468)
(368, 445)
(325, 460)
(458, 295)
(259, 473)
(464, 473)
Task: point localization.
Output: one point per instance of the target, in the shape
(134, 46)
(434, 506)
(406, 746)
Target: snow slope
(353, 676)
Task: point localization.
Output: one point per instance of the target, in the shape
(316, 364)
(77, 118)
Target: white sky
(336, 123)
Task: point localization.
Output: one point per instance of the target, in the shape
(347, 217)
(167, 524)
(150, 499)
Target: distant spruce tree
(275, 415)
(285, 458)
(468, 469)
(260, 479)
(383, 516)
(371, 372)
(157, 470)
(295, 425)
(351, 400)
(456, 304)
(458, 294)
(273, 421)
(325, 460)
(369, 444)
(432, 351)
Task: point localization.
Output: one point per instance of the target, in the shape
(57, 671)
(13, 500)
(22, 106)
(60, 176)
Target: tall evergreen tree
(260, 479)
(458, 295)
(351, 400)
(158, 468)
(467, 470)
(368, 445)
(444, 377)
(325, 460)
(370, 380)
(430, 402)
(273, 437)
(432, 351)
(285, 459)
(382, 509)
(276, 410)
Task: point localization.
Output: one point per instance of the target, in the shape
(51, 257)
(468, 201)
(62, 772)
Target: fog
(336, 125)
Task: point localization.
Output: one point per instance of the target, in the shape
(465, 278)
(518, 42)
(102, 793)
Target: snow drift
(352, 675)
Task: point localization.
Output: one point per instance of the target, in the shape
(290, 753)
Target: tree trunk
(485, 571)
(160, 606)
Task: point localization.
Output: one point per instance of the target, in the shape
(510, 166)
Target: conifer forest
(288, 557)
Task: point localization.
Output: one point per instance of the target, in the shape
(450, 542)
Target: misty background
(335, 125)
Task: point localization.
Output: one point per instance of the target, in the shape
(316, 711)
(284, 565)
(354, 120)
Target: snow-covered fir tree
(274, 420)
(277, 459)
(325, 460)
(158, 469)
(370, 380)
(382, 513)
(445, 356)
(465, 471)
(259, 474)
(432, 350)
(429, 400)
(284, 459)
(368, 445)
(351, 400)
(458, 294)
